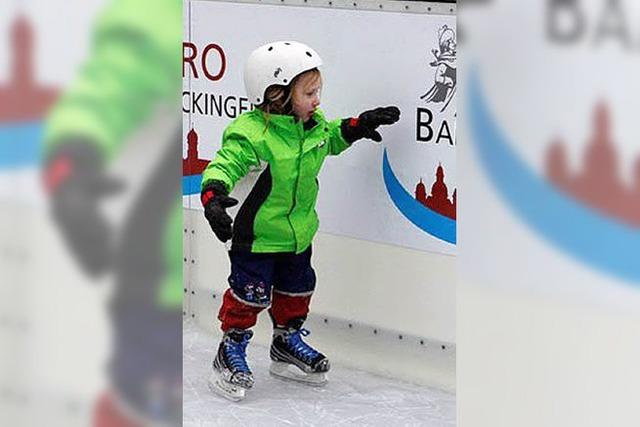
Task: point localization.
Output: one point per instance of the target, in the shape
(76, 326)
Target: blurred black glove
(215, 200)
(75, 178)
(366, 124)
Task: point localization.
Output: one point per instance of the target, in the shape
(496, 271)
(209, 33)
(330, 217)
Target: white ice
(352, 398)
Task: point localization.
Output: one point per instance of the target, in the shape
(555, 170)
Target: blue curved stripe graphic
(587, 235)
(191, 184)
(20, 144)
(437, 225)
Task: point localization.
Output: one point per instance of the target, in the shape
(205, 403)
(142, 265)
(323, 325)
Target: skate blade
(225, 389)
(291, 372)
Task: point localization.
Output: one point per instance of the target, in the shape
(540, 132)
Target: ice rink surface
(352, 398)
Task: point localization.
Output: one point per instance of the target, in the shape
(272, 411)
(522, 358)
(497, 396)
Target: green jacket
(278, 215)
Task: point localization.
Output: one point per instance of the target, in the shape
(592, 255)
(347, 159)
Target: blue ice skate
(293, 359)
(231, 376)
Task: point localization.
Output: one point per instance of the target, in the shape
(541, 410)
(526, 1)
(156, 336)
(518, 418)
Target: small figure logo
(444, 87)
(256, 293)
(277, 72)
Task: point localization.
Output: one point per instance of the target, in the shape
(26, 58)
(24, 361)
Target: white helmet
(276, 63)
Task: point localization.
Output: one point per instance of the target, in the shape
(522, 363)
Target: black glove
(76, 181)
(366, 124)
(215, 200)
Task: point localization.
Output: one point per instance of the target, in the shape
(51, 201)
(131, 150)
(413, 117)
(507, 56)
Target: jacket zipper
(295, 192)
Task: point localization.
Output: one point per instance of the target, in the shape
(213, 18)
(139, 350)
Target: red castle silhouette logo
(438, 200)
(22, 99)
(597, 184)
(193, 164)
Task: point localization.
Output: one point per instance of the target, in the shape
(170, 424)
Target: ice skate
(293, 359)
(231, 376)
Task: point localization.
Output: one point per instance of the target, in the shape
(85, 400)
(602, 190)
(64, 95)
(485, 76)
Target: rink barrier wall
(390, 341)
(377, 307)
(430, 8)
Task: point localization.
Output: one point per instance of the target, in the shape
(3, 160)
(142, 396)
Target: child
(286, 139)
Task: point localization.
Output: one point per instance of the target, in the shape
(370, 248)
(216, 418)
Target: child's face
(306, 96)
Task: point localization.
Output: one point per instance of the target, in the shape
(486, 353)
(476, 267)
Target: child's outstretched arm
(365, 125)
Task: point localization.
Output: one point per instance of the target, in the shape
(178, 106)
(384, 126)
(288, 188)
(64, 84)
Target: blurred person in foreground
(133, 68)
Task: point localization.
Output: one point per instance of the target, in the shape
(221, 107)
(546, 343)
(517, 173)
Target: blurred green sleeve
(133, 66)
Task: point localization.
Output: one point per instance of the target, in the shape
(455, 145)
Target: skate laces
(237, 353)
(300, 348)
